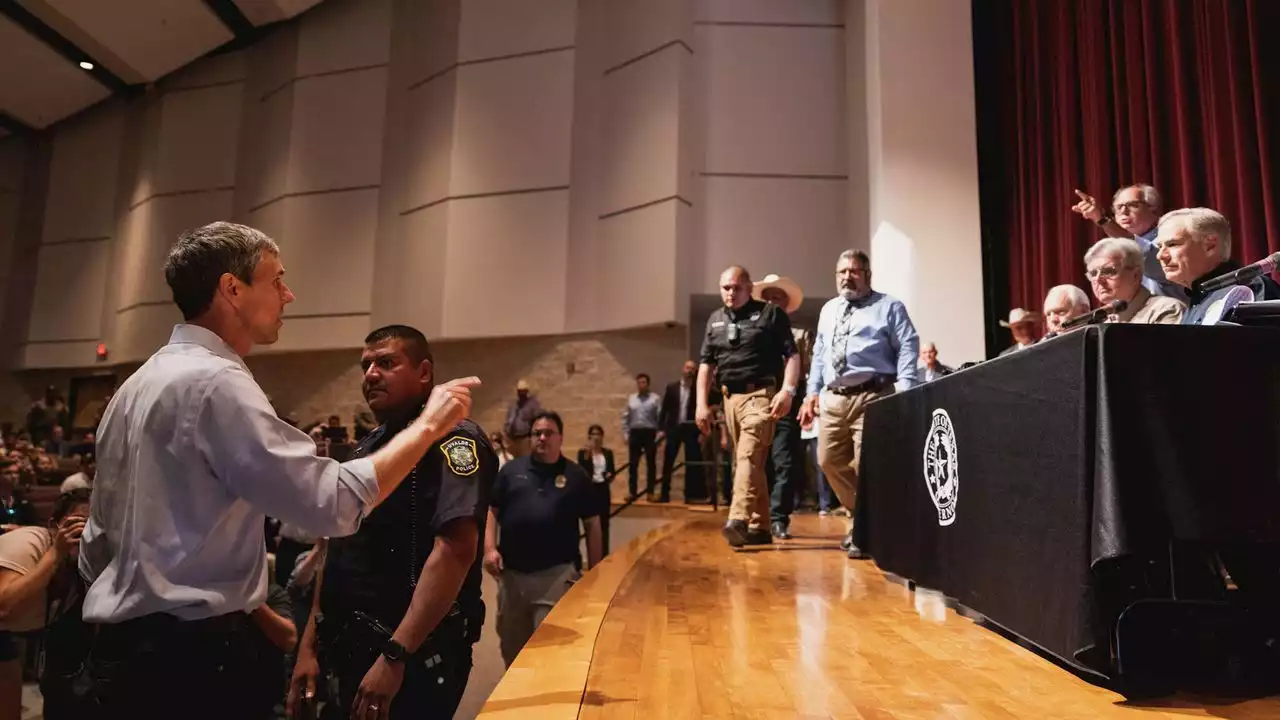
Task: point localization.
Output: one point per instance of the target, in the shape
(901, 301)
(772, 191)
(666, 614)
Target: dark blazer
(584, 459)
(668, 416)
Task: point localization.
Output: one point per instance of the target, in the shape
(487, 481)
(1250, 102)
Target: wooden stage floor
(677, 625)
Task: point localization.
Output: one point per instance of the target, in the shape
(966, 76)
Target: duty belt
(741, 388)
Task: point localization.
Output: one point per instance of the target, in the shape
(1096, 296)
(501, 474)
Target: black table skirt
(1089, 449)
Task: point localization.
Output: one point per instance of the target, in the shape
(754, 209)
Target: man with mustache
(864, 348)
(400, 599)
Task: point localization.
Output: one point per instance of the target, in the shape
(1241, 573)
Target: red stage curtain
(1096, 94)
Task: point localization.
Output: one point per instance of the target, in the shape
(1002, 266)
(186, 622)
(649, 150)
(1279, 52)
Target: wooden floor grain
(796, 630)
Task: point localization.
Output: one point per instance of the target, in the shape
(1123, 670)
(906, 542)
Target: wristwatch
(394, 651)
(1104, 220)
(790, 390)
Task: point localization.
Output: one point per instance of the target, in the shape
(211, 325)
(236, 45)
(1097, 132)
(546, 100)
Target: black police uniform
(538, 506)
(369, 577)
(748, 346)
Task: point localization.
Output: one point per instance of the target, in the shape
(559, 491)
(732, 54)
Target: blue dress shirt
(191, 455)
(881, 341)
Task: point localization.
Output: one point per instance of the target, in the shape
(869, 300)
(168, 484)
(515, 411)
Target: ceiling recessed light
(86, 65)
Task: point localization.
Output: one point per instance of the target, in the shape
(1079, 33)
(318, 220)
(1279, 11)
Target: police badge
(460, 453)
(560, 482)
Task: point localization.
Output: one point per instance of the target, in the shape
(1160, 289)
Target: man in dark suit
(676, 421)
(597, 460)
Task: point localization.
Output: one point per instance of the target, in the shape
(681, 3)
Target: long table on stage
(1013, 486)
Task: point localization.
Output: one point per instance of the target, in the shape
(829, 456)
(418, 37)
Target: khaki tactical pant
(750, 428)
(524, 599)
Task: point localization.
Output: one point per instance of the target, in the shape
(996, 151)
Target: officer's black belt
(742, 388)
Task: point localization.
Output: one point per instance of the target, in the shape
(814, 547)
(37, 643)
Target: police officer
(749, 346)
(537, 502)
(399, 602)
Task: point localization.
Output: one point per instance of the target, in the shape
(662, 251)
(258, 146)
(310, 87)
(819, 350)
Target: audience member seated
(15, 511)
(57, 444)
(932, 369)
(83, 478)
(1114, 269)
(30, 560)
(1025, 327)
(1061, 304)
(45, 414)
(1194, 246)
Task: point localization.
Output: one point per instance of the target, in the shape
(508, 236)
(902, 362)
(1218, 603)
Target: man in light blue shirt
(191, 457)
(865, 346)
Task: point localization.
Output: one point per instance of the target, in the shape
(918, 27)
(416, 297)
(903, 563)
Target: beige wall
(501, 168)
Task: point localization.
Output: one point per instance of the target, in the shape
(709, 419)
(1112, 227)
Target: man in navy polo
(531, 538)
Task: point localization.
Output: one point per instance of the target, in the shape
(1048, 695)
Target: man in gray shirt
(640, 430)
(191, 457)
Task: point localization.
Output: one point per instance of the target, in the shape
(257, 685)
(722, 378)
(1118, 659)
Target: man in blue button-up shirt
(864, 348)
(191, 456)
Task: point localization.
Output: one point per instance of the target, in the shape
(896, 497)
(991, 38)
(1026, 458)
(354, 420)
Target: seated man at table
(1061, 304)
(1114, 269)
(1195, 246)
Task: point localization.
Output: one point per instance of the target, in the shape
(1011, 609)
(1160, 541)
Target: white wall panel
(638, 257)
(506, 265)
(343, 35)
(775, 100)
(795, 12)
(514, 120)
(325, 245)
(199, 134)
(82, 177)
(336, 139)
(640, 141)
(70, 285)
(428, 141)
(497, 28)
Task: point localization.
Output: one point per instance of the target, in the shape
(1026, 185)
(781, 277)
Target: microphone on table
(1242, 276)
(1096, 316)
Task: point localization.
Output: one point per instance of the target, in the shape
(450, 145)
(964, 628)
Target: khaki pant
(524, 599)
(840, 440)
(751, 431)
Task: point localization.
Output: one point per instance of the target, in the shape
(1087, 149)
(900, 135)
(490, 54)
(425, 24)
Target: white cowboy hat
(1017, 316)
(795, 296)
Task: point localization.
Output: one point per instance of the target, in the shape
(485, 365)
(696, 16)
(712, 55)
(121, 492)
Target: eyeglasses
(1107, 271)
(544, 433)
(1131, 206)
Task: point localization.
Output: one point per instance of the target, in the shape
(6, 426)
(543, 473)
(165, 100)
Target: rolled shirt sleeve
(273, 466)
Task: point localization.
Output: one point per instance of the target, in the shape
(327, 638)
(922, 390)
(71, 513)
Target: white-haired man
(1195, 245)
(1114, 269)
(1061, 304)
(1134, 213)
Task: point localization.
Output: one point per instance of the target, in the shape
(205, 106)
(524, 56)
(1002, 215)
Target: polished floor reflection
(796, 630)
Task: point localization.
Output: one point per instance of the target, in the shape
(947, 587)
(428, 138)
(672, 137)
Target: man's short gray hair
(1128, 250)
(858, 255)
(1077, 296)
(1201, 222)
(1150, 195)
(203, 255)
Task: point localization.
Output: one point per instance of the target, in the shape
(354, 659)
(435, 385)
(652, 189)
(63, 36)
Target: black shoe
(780, 530)
(759, 537)
(856, 553)
(663, 500)
(735, 531)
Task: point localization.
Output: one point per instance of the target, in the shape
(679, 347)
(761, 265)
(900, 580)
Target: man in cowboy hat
(787, 452)
(1025, 326)
(520, 419)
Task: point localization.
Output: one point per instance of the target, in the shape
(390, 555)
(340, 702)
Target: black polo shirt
(376, 569)
(760, 349)
(538, 507)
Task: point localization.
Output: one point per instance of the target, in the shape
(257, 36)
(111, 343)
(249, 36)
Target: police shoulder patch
(460, 453)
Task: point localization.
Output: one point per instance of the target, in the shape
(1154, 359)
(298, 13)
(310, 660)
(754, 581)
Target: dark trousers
(788, 469)
(685, 435)
(158, 667)
(642, 440)
(428, 693)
